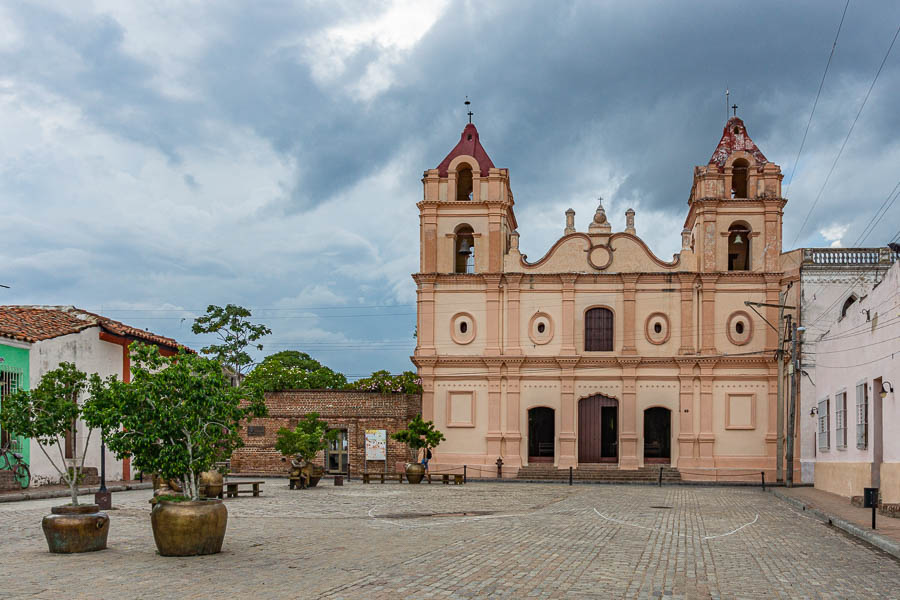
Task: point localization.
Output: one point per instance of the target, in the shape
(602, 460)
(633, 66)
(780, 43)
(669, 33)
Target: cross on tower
(470, 113)
(734, 107)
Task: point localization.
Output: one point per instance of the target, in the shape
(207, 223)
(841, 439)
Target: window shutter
(598, 330)
(862, 417)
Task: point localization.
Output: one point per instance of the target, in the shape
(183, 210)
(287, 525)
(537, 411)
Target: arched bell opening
(464, 249)
(463, 183)
(739, 247)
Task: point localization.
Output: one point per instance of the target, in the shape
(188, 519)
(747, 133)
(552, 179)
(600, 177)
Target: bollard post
(464, 473)
(570, 475)
(659, 484)
(499, 468)
(873, 515)
(763, 474)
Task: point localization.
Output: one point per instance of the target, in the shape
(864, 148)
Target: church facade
(600, 352)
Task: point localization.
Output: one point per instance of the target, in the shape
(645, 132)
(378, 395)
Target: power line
(844, 144)
(816, 103)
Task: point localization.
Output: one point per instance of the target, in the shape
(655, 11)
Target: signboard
(376, 444)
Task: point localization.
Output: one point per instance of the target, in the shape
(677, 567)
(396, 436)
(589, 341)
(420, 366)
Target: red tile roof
(36, 323)
(734, 138)
(470, 145)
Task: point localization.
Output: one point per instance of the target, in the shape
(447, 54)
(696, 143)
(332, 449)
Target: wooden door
(597, 429)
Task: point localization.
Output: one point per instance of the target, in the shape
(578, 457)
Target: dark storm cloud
(291, 138)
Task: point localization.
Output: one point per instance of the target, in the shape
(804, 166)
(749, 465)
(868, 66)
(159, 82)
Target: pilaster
(629, 281)
(513, 345)
(706, 439)
(708, 342)
(628, 439)
(567, 412)
(492, 289)
(687, 439)
(686, 346)
(494, 436)
(568, 313)
(512, 452)
(425, 318)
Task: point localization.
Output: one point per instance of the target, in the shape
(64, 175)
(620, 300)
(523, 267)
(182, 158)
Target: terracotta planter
(189, 528)
(81, 528)
(415, 472)
(211, 484)
(316, 474)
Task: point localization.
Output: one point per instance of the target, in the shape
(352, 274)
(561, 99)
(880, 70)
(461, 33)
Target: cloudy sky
(157, 157)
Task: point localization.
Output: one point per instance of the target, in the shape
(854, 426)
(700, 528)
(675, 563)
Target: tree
(47, 413)
(419, 434)
(309, 437)
(235, 333)
(382, 381)
(177, 417)
(292, 370)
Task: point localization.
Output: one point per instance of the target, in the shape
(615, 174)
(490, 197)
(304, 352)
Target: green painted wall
(17, 359)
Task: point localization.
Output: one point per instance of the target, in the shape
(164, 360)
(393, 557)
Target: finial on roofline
(468, 105)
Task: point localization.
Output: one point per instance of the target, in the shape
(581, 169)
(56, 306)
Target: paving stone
(526, 541)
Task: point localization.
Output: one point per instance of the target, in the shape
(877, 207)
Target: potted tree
(178, 416)
(47, 414)
(303, 443)
(418, 435)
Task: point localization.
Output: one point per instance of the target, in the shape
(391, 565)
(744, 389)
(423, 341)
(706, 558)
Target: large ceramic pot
(415, 472)
(211, 484)
(189, 528)
(81, 528)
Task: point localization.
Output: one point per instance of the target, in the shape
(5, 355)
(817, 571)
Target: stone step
(600, 472)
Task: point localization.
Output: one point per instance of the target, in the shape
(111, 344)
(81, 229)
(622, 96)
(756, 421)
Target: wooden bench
(231, 489)
(367, 477)
(445, 478)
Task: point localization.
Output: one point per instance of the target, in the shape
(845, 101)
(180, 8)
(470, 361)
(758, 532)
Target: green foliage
(235, 333)
(292, 370)
(419, 434)
(47, 413)
(309, 437)
(177, 417)
(382, 381)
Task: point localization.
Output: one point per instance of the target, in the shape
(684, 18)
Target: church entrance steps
(600, 472)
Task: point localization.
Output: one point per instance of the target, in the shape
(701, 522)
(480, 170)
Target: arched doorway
(657, 435)
(541, 434)
(598, 430)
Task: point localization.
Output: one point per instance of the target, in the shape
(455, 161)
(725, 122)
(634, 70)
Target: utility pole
(779, 355)
(792, 411)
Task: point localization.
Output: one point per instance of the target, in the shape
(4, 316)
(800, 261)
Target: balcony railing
(849, 256)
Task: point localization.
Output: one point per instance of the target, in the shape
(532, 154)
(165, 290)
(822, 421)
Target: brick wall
(352, 410)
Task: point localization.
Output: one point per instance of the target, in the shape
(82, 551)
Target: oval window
(657, 328)
(739, 327)
(463, 327)
(541, 327)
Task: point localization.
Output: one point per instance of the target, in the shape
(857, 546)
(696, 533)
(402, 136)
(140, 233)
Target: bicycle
(10, 460)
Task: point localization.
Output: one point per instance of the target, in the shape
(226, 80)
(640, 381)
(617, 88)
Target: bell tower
(465, 216)
(736, 207)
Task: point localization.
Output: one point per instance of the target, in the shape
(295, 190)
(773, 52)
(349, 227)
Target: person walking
(426, 457)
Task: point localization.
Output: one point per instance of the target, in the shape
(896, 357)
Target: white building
(35, 340)
(857, 412)
(825, 283)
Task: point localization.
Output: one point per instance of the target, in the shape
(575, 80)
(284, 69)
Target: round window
(540, 328)
(740, 328)
(656, 328)
(462, 328)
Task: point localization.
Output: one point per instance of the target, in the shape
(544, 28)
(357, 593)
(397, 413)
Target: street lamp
(886, 388)
(103, 498)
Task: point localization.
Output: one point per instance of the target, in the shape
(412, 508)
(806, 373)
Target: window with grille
(598, 330)
(840, 420)
(10, 382)
(862, 416)
(824, 433)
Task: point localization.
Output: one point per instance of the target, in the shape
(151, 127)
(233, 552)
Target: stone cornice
(493, 363)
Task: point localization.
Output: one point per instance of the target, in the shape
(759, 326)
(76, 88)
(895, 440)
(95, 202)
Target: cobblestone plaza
(478, 540)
